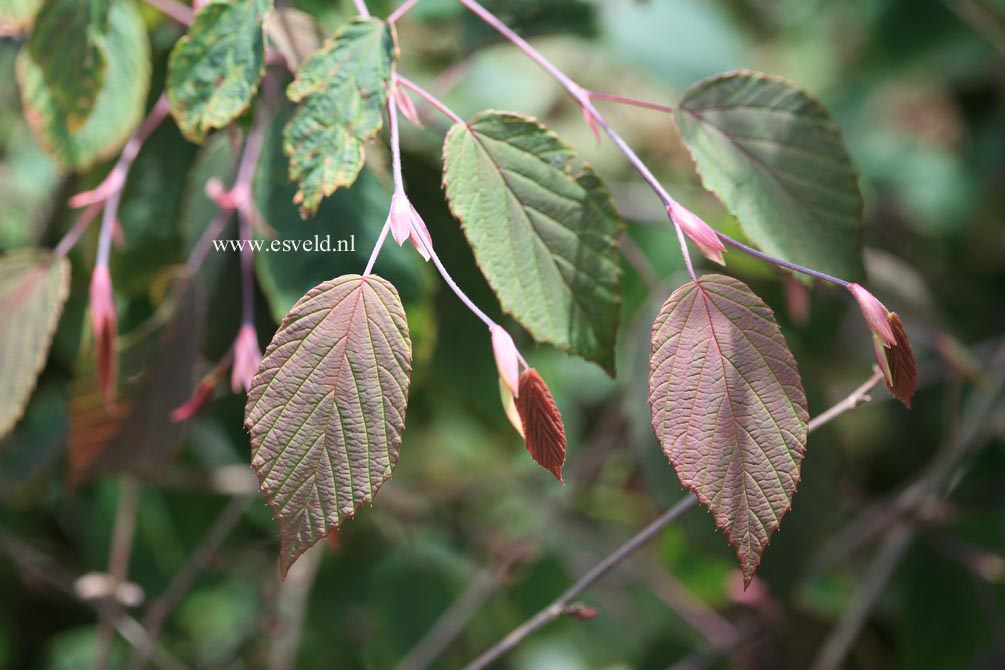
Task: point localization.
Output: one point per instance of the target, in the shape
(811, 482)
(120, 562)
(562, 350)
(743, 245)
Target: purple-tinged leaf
(327, 407)
(728, 408)
(903, 369)
(542, 423)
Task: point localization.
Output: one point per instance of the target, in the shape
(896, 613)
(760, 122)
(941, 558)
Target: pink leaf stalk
(699, 232)
(507, 359)
(104, 326)
(247, 358)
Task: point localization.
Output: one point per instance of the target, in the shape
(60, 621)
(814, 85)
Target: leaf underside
(342, 90)
(214, 69)
(542, 423)
(116, 111)
(775, 158)
(327, 407)
(728, 408)
(543, 229)
(34, 285)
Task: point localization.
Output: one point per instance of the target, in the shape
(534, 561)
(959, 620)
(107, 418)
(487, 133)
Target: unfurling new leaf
(33, 287)
(778, 162)
(728, 408)
(543, 228)
(327, 407)
(342, 90)
(903, 371)
(215, 68)
(542, 423)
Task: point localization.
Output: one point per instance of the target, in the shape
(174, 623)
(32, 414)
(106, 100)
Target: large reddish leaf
(542, 423)
(903, 378)
(327, 407)
(728, 408)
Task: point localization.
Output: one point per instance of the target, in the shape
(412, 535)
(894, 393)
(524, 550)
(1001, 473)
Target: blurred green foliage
(918, 87)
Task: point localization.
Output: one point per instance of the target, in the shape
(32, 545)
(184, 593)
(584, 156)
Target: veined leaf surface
(327, 407)
(543, 228)
(776, 159)
(728, 408)
(342, 89)
(214, 70)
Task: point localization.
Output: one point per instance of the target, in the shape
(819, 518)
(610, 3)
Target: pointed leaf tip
(728, 408)
(542, 423)
(326, 409)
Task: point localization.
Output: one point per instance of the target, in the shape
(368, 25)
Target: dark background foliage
(918, 88)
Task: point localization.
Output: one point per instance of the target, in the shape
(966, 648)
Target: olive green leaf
(543, 228)
(34, 285)
(342, 89)
(778, 162)
(214, 70)
(118, 107)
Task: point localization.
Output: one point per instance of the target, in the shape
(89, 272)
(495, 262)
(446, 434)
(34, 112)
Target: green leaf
(16, 16)
(34, 285)
(214, 70)
(543, 228)
(728, 408)
(74, 71)
(327, 407)
(156, 364)
(118, 107)
(342, 90)
(778, 162)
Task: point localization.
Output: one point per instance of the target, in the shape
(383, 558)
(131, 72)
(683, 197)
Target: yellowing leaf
(327, 407)
(342, 90)
(214, 70)
(33, 288)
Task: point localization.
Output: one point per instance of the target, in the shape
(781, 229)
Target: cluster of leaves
(326, 408)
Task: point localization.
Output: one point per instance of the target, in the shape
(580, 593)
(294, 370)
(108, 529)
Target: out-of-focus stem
(429, 97)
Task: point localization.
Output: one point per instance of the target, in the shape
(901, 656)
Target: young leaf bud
(507, 359)
(876, 315)
(104, 325)
(698, 232)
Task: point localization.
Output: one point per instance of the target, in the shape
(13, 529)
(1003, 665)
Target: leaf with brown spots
(542, 423)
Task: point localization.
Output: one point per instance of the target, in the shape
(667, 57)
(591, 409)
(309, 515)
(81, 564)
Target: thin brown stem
(159, 610)
(854, 399)
(560, 605)
(627, 100)
(429, 97)
(118, 565)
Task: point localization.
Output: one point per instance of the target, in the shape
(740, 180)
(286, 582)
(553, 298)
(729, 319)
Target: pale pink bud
(419, 234)
(218, 193)
(400, 217)
(247, 358)
(591, 123)
(507, 359)
(698, 231)
(104, 326)
(407, 107)
(876, 315)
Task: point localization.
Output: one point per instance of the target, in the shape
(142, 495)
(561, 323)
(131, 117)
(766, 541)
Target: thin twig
(118, 565)
(634, 102)
(159, 610)
(560, 605)
(401, 11)
(894, 546)
(47, 570)
(429, 97)
(361, 8)
(856, 398)
(619, 555)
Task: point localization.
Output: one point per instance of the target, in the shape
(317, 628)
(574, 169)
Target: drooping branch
(560, 605)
